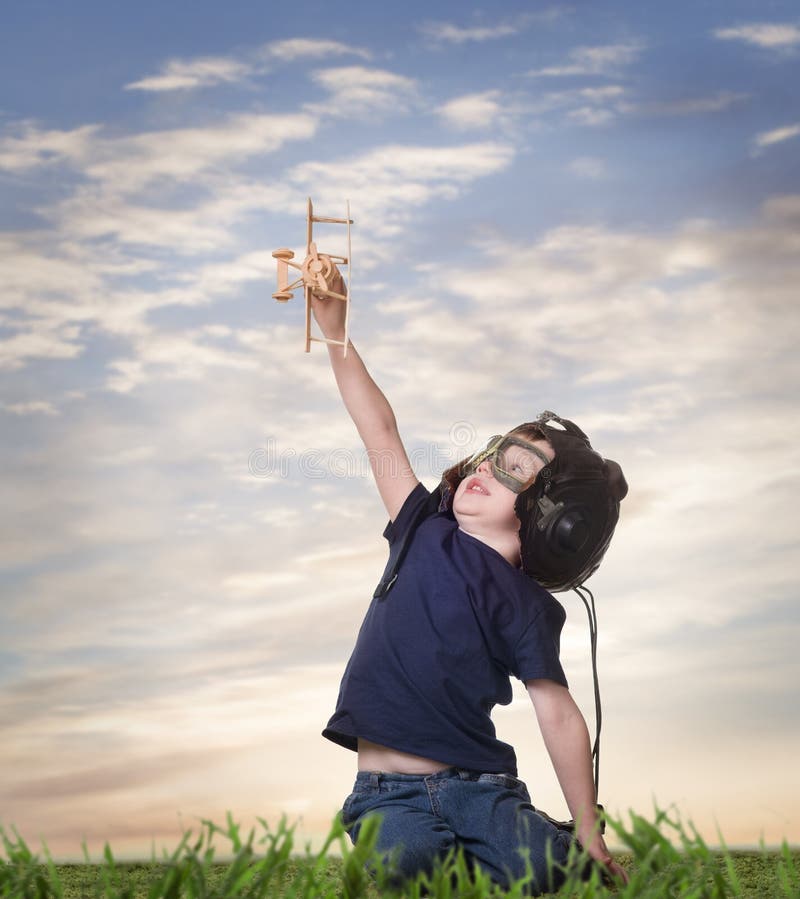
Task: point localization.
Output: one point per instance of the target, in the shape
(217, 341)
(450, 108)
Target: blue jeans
(490, 816)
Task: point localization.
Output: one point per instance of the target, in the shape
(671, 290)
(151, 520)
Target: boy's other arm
(368, 408)
(566, 738)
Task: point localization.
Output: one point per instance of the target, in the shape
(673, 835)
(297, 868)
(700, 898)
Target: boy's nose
(485, 467)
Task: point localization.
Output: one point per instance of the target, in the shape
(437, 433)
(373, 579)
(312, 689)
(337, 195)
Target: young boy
(435, 652)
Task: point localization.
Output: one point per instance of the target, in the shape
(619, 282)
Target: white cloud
(94, 212)
(604, 59)
(303, 48)
(358, 91)
(28, 146)
(388, 183)
(590, 115)
(776, 136)
(205, 71)
(472, 111)
(769, 35)
(132, 162)
(496, 110)
(41, 343)
(448, 33)
(577, 291)
(32, 407)
(208, 71)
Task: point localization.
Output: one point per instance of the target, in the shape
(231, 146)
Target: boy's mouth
(476, 485)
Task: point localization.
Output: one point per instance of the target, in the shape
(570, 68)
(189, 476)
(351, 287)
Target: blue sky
(592, 208)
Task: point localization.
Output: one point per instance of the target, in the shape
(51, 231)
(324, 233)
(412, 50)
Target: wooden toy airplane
(314, 272)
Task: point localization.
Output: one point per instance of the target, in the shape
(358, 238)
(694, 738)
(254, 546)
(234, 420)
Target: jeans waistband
(375, 778)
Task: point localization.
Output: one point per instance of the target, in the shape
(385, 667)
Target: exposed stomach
(374, 757)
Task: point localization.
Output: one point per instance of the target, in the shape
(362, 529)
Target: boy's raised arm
(367, 406)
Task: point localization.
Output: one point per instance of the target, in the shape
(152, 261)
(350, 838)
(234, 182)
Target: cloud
(302, 48)
(356, 91)
(190, 74)
(449, 33)
(388, 183)
(694, 105)
(208, 71)
(472, 111)
(606, 59)
(43, 342)
(100, 212)
(27, 146)
(589, 167)
(496, 110)
(31, 407)
(776, 136)
(590, 106)
(132, 162)
(771, 36)
(584, 287)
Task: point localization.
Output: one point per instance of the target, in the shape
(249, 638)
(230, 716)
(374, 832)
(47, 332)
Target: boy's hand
(596, 847)
(329, 311)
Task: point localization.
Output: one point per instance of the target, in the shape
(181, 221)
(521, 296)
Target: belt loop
(374, 779)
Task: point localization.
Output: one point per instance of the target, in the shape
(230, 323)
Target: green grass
(662, 857)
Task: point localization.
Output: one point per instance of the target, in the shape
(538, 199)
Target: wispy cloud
(181, 154)
(131, 162)
(194, 73)
(776, 136)
(768, 35)
(26, 146)
(208, 71)
(102, 212)
(605, 59)
(389, 182)
(357, 91)
(43, 342)
(589, 167)
(700, 105)
(450, 33)
(310, 48)
(32, 407)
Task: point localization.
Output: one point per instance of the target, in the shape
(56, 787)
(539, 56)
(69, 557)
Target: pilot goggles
(514, 461)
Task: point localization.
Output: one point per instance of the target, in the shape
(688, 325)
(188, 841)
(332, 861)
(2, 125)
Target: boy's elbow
(552, 702)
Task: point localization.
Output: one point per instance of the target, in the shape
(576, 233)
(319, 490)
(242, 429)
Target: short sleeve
(536, 654)
(408, 514)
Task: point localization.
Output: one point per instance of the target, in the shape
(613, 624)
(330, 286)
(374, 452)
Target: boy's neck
(507, 545)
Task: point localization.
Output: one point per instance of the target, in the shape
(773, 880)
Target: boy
(436, 649)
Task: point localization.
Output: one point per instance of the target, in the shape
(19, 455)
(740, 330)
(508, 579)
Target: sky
(592, 208)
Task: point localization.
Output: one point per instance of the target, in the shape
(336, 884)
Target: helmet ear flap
(568, 516)
(617, 484)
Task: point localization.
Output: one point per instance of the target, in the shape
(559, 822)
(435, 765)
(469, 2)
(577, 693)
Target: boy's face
(483, 506)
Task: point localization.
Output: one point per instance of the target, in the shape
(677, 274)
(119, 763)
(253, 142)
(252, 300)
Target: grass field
(663, 858)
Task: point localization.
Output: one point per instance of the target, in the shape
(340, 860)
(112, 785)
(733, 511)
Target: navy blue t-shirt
(435, 654)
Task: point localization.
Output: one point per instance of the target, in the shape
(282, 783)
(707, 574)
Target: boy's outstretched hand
(329, 311)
